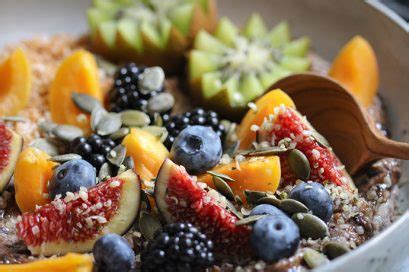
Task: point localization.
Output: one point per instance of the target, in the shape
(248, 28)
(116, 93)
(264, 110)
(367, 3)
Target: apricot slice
(356, 68)
(71, 262)
(31, 175)
(147, 152)
(264, 107)
(256, 173)
(15, 83)
(77, 73)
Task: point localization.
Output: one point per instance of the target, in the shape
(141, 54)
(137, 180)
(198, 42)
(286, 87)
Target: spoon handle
(383, 147)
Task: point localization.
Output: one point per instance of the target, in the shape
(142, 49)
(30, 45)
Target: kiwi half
(149, 32)
(233, 67)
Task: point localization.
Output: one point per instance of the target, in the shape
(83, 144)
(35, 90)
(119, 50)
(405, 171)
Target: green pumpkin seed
(96, 116)
(271, 200)
(67, 133)
(46, 146)
(220, 175)
(105, 172)
(335, 249)
(223, 188)
(156, 131)
(65, 158)
(238, 200)
(129, 163)
(232, 208)
(85, 102)
(109, 124)
(310, 226)
(231, 148)
(250, 219)
(14, 119)
(149, 224)
(134, 118)
(253, 196)
(292, 206)
(120, 133)
(314, 259)
(117, 155)
(321, 140)
(268, 151)
(160, 103)
(152, 79)
(299, 164)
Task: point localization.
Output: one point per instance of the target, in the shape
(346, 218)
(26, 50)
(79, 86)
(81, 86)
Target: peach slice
(256, 173)
(147, 152)
(77, 73)
(356, 68)
(31, 175)
(71, 262)
(15, 83)
(265, 106)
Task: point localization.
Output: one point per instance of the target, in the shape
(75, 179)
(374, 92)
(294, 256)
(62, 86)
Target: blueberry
(274, 237)
(315, 197)
(197, 148)
(266, 209)
(70, 176)
(113, 253)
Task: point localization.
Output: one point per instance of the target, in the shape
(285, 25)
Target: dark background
(400, 6)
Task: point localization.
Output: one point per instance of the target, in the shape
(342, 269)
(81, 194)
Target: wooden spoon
(337, 115)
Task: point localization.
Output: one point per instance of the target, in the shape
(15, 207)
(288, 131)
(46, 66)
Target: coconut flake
(114, 184)
(252, 106)
(35, 230)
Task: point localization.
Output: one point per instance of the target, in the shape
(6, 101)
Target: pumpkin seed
(268, 151)
(120, 133)
(321, 140)
(310, 226)
(314, 259)
(85, 102)
(220, 175)
(145, 200)
(109, 124)
(65, 157)
(223, 188)
(14, 119)
(299, 164)
(149, 224)
(156, 131)
(152, 79)
(117, 155)
(250, 219)
(46, 127)
(134, 118)
(157, 119)
(231, 148)
(129, 163)
(271, 200)
(232, 208)
(105, 171)
(238, 200)
(335, 249)
(67, 132)
(292, 206)
(121, 169)
(46, 146)
(245, 211)
(96, 116)
(253, 196)
(161, 103)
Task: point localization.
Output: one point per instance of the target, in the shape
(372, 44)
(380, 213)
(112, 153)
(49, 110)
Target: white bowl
(330, 24)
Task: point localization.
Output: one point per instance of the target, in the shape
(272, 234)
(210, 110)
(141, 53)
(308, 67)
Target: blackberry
(92, 149)
(134, 87)
(198, 116)
(178, 247)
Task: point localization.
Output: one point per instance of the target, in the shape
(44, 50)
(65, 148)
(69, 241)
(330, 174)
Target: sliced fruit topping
(178, 247)
(147, 151)
(74, 223)
(77, 74)
(198, 117)
(15, 84)
(256, 174)
(179, 198)
(197, 148)
(31, 175)
(10, 147)
(309, 157)
(71, 262)
(357, 69)
(232, 68)
(149, 32)
(260, 110)
(71, 176)
(113, 253)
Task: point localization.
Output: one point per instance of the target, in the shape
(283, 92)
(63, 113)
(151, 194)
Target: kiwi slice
(150, 32)
(232, 66)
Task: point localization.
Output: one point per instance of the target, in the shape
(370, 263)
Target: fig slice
(74, 223)
(11, 145)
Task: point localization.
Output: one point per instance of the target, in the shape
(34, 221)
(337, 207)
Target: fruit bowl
(329, 24)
